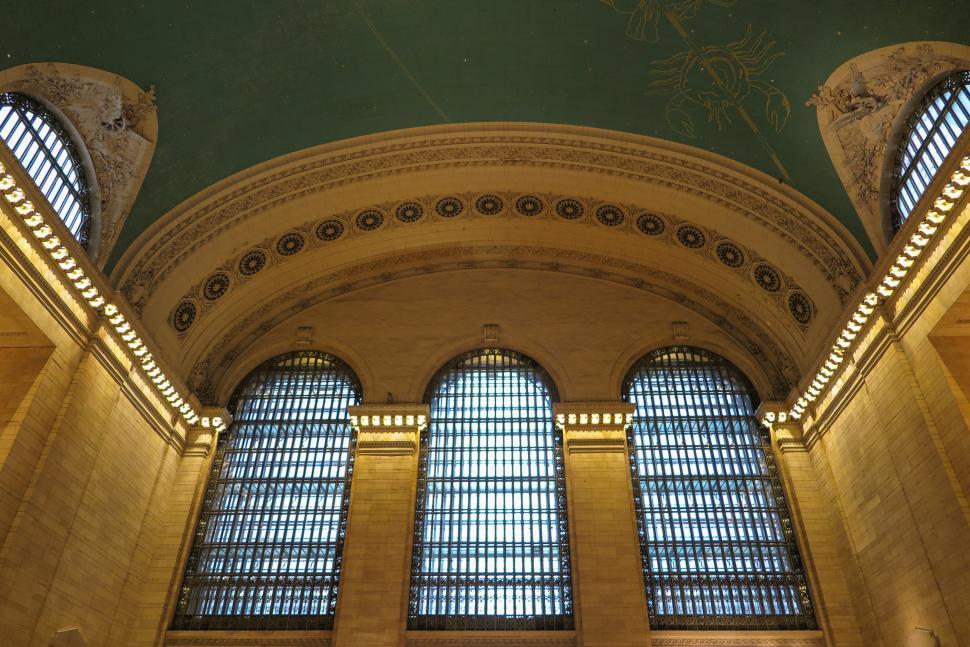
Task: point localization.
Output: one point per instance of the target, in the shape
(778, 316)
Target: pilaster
(819, 542)
(171, 549)
(611, 607)
(372, 610)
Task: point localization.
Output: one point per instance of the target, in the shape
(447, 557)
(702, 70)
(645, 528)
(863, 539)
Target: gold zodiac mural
(716, 80)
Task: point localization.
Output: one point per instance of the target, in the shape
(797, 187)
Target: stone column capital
(594, 426)
(388, 429)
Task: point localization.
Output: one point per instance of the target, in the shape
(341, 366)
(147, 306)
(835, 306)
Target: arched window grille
(931, 132)
(44, 149)
(716, 536)
(491, 544)
(267, 550)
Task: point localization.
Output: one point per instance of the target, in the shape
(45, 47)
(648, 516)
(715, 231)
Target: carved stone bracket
(594, 426)
(786, 433)
(388, 429)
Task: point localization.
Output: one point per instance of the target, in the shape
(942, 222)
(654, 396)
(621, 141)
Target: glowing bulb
(59, 254)
(890, 281)
(90, 293)
(26, 208)
(43, 232)
(123, 328)
(52, 242)
(15, 196)
(770, 416)
(83, 283)
(117, 319)
(111, 310)
(884, 291)
(96, 302)
(911, 251)
(898, 272)
(927, 230)
(942, 205)
(859, 318)
(921, 241)
(950, 190)
(960, 178)
(128, 336)
(903, 261)
(34, 221)
(141, 351)
(6, 183)
(842, 342)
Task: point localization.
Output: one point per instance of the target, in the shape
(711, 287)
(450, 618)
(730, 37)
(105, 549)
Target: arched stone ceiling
(238, 85)
(769, 268)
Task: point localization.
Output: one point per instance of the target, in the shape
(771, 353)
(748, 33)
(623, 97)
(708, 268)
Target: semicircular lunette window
(932, 131)
(268, 548)
(491, 539)
(717, 540)
(46, 152)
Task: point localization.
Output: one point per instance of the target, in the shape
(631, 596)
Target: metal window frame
(558, 578)
(685, 378)
(267, 388)
(23, 104)
(958, 83)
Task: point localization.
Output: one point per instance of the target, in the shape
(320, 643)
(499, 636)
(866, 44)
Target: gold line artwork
(715, 78)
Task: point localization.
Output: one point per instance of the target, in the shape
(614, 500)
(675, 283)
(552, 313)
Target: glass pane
(39, 142)
(268, 547)
(491, 545)
(933, 131)
(718, 546)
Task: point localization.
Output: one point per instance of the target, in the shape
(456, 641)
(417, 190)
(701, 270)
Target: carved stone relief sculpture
(117, 123)
(861, 108)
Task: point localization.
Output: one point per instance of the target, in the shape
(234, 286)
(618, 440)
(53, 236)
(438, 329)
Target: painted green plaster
(244, 81)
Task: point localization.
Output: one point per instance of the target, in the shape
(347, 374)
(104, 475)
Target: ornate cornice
(388, 429)
(506, 639)
(324, 232)
(247, 639)
(197, 222)
(735, 320)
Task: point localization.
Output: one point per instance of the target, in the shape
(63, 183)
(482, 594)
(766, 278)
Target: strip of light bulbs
(942, 207)
(75, 276)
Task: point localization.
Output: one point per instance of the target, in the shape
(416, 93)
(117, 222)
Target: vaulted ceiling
(241, 82)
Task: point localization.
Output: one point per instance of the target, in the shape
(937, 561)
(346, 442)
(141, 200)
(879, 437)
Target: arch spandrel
(862, 108)
(115, 122)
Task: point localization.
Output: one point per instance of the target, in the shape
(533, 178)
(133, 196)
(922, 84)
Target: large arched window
(46, 152)
(268, 547)
(718, 546)
(491, 545)
(931, 132)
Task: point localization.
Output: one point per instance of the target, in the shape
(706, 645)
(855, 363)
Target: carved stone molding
(228, 344)
(388, 429)
(808, 231)
(505, 639)
(650, 227)
(861, 108)
(247, 639)
(117, 124)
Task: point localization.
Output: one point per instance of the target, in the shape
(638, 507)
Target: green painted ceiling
(243, 81)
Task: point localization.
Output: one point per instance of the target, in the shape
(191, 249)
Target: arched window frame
(745, 400)
(345, 385)
(927, 140)
(557, 579)
(73, 208)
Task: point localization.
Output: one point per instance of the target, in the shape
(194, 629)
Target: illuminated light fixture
(123, 328)
(903, 261)
(206, 422)
(90, 293)
(920, 241)
(935, 216)
(75, 274)
(185, 408)
(951, 191)
(865, 310)
(6, 183)
(25, 209)
(942, 205)
(770, 416)
(168, 390)
(34, 221)
(15, 196)
(128, 336)
(96, 302)
(217, 421)
(890, 281)
(117, 320)
(848, 334)
(898, 272)
(138, 352)
(853, 327)
(43, 232)
(830, 365)
(825, 372)
(83, 283)
(111, 310)
(135, 343)
(836, 357)
(158, 379)
(960, 178)
(927, 230)
(911, 251)
(52, 242)
(859, 318)
(59, 254)
(802, 403)
(884, 291)
(844, 343)
(68, 264)
(796, 414)
(153, 372)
